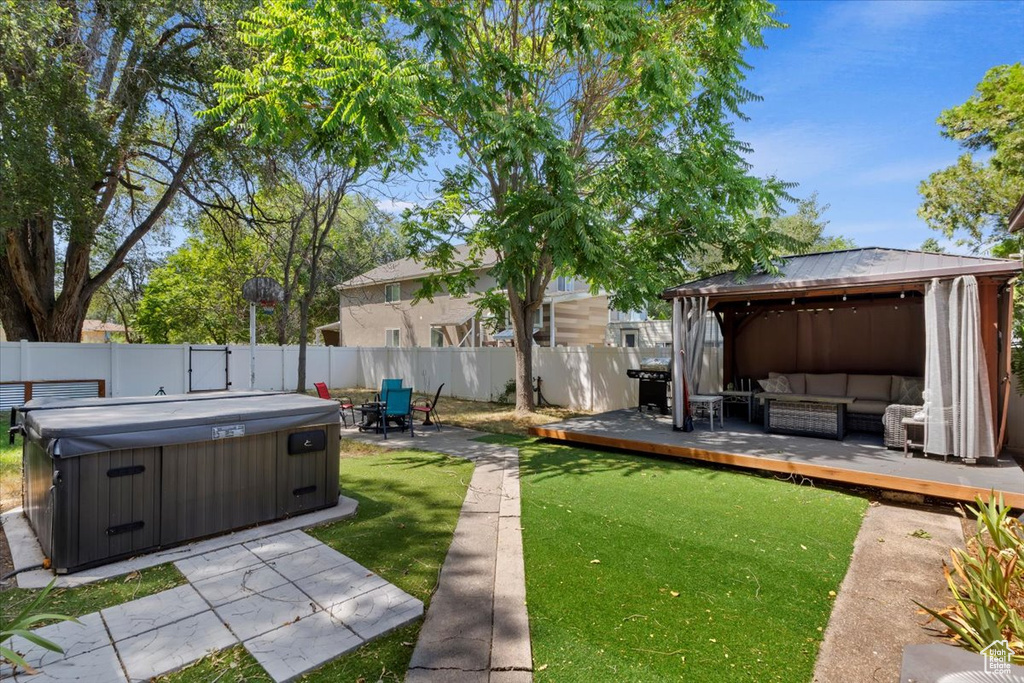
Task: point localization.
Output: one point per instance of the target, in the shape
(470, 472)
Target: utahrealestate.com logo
(997, 657)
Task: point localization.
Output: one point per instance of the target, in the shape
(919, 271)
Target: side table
(711, 404)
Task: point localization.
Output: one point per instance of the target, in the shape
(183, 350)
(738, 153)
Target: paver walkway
(477, 629)
(293, 602)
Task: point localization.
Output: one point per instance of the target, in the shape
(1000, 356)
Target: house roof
(870, 266)
(1017, 216)
(410, 269)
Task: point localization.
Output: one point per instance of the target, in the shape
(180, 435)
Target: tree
(326, 78)
(97, 141)
(593, 142)
(932, 245)
(195, 296)
(972, 199)
(807, 227)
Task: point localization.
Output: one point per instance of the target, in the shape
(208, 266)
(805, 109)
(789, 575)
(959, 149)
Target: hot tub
(110, 478)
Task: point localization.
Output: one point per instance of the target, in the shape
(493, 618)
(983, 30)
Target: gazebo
(865, 313)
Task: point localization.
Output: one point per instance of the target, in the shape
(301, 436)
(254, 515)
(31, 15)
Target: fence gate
(208, 368)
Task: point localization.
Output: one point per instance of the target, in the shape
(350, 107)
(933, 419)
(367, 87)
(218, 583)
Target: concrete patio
(859, 459)
(293, 602)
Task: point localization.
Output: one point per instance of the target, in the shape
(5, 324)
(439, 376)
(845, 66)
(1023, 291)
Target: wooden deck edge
(889, 482)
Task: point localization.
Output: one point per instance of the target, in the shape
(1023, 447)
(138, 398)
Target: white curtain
(958, 404)
(694, 316)
(678, 370)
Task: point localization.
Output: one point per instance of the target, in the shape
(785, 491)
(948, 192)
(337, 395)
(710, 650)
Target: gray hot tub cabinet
(105, 481)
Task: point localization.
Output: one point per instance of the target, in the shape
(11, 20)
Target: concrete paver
(263, 612)
(96, 665)
(238, 584)
(152, 611)
(76, 638)
(281, 618)
(296, 648)
(172, 646)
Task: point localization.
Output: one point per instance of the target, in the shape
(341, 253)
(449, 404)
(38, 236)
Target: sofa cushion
(775, 385)
(827, 385)
(797, 384)
(869, 387)
(868, 407)
(907, 390)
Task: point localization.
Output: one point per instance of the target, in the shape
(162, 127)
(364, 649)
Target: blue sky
(851, 94)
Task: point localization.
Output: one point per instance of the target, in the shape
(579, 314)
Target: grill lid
(663, 364)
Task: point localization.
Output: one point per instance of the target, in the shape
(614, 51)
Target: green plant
(508, 392)
(20, 625)
(987, 583)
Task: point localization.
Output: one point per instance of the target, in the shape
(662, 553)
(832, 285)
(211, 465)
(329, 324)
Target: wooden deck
(859, 459)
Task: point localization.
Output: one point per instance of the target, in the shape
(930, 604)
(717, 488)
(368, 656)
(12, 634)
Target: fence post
(114, 383)
(23, 369)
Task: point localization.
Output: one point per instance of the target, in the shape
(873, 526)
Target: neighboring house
(376, 309)
(1017, 217)
(99, 332)
(94, 331)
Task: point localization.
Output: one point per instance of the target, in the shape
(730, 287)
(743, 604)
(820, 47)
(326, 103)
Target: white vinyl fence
(582, 378)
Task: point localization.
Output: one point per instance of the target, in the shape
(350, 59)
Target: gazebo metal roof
(848, 268)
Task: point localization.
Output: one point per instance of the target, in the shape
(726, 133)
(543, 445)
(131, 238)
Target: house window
(564, 284)
(436, 337)
(392, 293)
(538, 316)
(630, 338)
(627, 316)
(392, 337)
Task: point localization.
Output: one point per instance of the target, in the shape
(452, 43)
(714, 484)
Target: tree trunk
(300, 384)
(14, 314)
(523, 332)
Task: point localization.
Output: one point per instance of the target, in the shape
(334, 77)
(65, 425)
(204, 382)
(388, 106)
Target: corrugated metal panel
(11, 395)
(66, 390)
(848, 263)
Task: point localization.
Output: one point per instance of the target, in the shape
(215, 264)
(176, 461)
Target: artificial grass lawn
(409, 503)
(10, 468)
(642, 569)
(79, 601)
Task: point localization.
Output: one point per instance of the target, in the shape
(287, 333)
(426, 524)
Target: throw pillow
(910, 392)
(775, 385)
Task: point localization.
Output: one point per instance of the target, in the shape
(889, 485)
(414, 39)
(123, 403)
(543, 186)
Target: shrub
(987, 583)
(20, 625)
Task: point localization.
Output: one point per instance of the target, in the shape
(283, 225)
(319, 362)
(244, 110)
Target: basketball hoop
(262, 292)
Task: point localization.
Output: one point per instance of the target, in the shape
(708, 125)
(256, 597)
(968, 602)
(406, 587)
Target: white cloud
(900, 172)
(395, 206)
(802, 151)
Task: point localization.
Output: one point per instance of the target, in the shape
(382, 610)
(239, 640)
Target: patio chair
(344, 402)
(387, 385)
(429, 409)
(399, 406)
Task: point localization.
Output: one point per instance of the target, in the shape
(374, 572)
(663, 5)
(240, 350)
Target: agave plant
(20, 625)
(987, 583)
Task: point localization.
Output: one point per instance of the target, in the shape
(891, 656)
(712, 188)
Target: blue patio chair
(387, 385)
(398, 405)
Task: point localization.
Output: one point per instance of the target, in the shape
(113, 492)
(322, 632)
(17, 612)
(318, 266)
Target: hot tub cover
(144, 423)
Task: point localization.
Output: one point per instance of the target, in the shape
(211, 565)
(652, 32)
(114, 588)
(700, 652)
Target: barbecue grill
(654, 375)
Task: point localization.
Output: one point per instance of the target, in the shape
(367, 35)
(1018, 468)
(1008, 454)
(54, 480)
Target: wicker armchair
(895, 432)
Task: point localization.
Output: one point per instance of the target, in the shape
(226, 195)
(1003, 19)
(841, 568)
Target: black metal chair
(429, 409)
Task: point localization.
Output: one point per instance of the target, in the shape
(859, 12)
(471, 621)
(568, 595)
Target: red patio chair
(344, 402)
(429, 409)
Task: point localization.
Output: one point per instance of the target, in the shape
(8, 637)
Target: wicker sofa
(879, 402)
